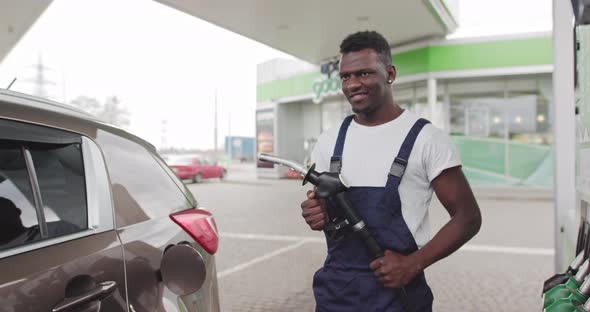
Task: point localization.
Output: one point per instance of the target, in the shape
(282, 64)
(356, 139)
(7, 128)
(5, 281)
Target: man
(373, 150)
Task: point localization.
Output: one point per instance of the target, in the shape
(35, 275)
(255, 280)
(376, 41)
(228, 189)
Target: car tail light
(200, 225)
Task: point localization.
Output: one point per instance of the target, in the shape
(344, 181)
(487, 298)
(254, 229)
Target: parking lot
(267, 255)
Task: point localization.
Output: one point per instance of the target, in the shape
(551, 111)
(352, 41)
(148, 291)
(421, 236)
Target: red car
(196, 168)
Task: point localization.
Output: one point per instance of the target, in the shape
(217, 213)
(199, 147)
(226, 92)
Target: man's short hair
(367, 40)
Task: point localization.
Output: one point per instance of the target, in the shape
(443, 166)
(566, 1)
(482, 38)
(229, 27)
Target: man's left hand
(395, 270)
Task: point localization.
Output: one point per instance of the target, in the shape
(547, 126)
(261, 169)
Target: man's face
(365, 80)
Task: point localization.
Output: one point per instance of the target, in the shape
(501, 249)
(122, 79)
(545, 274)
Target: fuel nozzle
(327, 183)
(565, 290)
(574, 301)
(585, 307)
(582, 252)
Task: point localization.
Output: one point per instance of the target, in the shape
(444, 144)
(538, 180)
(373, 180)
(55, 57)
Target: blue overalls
(345, 282)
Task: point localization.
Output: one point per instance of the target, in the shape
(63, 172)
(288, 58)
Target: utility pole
(229, 140)
(40, 81)
(163, 134)
(215, 127)
(63, 85)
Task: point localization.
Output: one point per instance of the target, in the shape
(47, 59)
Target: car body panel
(144, 245)
(35, 280)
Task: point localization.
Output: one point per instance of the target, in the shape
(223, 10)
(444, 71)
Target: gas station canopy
(16, 17)
(307, 29)
(312, 30)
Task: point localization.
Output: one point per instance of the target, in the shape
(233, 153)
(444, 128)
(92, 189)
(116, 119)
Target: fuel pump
(571, 302)
(575, 274)
(582, 254)
(565, 290)
(569, 274)
(571, 38)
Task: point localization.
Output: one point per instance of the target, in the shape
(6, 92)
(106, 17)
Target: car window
(17, 213)
(42, 188)
(142, 190)
(60, 173)
(179, 183)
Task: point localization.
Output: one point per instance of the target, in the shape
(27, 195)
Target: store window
(508, 108)
(333, 111)
(413, 97)
(476, 107)
(265, 133)
(530, 119)
(502, 127)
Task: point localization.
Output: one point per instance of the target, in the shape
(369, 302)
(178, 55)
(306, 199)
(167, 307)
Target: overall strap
(336, 160)
(398, 167)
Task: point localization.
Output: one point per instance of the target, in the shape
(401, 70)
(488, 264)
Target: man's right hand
(314, 212)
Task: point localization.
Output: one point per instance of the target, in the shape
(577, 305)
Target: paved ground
(268, 255)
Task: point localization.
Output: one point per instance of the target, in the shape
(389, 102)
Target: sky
(161, 63)
(167, 67)
(498, 17)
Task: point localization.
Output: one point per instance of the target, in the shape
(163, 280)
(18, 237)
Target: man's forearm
(460, 229)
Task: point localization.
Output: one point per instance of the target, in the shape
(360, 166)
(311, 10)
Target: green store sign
(326, 86)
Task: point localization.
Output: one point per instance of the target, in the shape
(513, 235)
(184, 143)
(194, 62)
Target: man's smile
(358, 96)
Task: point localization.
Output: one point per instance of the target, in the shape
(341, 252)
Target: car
(92, 219)
(196, 168)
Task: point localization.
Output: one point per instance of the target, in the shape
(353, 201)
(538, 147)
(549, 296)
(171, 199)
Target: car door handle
(101, 291)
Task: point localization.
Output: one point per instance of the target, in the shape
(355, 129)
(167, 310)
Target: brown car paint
(37, 280)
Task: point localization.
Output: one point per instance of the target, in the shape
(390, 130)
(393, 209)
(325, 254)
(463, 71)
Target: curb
(514, 192)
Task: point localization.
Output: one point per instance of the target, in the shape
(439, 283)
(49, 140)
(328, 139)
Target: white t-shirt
(369, 152)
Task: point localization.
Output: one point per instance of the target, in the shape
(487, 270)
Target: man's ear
(392, 73)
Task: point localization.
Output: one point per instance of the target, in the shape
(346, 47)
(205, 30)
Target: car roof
(32, 109)
(47, 104)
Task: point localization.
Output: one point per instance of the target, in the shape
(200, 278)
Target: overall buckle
(398, 167)
(335, 164)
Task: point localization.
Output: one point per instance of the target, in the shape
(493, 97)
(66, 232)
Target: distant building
(238, 147)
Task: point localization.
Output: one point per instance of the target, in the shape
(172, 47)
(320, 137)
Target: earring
(389, 81)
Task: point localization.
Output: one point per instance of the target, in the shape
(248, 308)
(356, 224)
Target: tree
(111, 112)
(87, 104)
(114, 113)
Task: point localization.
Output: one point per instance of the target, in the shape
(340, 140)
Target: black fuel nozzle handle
(361, 230)
(332, 185)
(358, 226)
(327, 184)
